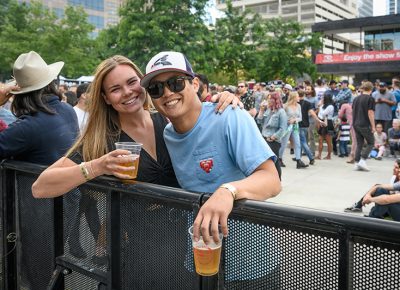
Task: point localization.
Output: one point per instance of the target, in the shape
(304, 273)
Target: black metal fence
(113, 235)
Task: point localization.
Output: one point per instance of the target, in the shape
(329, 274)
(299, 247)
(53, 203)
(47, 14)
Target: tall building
(365, 8)
(306, 12)
(101, 13)
(393, 6)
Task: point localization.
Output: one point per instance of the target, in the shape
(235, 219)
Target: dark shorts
(328, 130)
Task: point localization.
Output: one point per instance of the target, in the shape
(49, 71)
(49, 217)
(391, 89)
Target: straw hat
(32, 73)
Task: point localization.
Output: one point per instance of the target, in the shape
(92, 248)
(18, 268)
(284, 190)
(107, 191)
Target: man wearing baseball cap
(227, 157)
(384, 100)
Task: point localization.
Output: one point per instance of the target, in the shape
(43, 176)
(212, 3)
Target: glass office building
(388, 39)
(101, 13)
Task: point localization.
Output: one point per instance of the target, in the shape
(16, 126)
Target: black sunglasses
(175, 84)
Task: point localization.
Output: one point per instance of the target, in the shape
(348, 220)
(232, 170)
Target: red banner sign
(362, 56)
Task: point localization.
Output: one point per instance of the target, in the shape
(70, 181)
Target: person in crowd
(357, 207)
(43, 132)
(343, 137)
(293, 112)
(259, 96)
(306, 111)
(325, 130)
(311, 97)
(333, 88)
(344, 96)
(81, 108)
(73, 88)
(384, 100)
(394, 137)
(364, 125)
(396, 94)
(271, 88)
(380, 138)
(285, 92)
(241, 161)
(320, 89)
(46, 128)
(353, 92)
(273, 120)
(6, 116)
(70, 98)
(386, 198)
(63, 89)
(346, 111)
(204, 90)
(246, 98)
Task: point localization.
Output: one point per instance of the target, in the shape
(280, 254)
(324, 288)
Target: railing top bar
(114, 184)
(366, 227)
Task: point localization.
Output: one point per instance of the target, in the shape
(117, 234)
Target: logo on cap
(161, 61)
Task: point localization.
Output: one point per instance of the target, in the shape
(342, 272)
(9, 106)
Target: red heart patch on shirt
(206, 165)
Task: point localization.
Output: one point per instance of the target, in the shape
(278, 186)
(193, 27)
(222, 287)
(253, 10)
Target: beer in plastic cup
(135, 149)
(206, 257)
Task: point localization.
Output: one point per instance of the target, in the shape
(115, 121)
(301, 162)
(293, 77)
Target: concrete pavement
(329, 185)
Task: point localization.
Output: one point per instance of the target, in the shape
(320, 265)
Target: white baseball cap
(288, 87)
(166, 61)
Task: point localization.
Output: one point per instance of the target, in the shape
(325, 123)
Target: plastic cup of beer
(206, 257)
(134, 149)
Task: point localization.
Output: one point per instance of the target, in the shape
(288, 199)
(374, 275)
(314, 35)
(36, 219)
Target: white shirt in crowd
(82, 118)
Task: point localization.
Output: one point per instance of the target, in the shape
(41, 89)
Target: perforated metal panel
(36, 255)
(154, 246)
(376, 267)
(266, 257)
(85, 212)
(75, 281)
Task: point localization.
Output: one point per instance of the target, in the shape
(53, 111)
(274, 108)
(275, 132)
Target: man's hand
(215, 212)
(367, 199)
(5, 92)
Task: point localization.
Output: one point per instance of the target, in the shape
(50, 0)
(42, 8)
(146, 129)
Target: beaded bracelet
(84, 171)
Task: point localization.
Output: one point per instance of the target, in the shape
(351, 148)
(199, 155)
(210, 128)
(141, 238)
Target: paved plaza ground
(330, 185)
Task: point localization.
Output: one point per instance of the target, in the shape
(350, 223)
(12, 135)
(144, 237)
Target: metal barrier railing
(113, 235)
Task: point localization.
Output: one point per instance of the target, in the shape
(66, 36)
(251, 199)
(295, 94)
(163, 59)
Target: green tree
(148, 27)
(284, 50)
(34, 27)
(237, 38)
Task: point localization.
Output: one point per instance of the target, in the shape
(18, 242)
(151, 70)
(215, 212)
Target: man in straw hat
(44, 131)
(46, 127)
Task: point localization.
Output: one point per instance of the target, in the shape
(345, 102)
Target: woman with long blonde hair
(119, 110)
(293, 112)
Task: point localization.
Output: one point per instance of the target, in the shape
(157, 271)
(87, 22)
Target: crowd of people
(171, 111)
(311, 114)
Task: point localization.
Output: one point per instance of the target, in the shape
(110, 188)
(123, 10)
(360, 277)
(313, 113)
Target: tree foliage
(241, 45)
(285, 50)
(34, 27)
(148, 27)
(237, 37)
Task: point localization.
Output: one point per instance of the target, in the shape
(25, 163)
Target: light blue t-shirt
(230, 145)
(220, 149)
